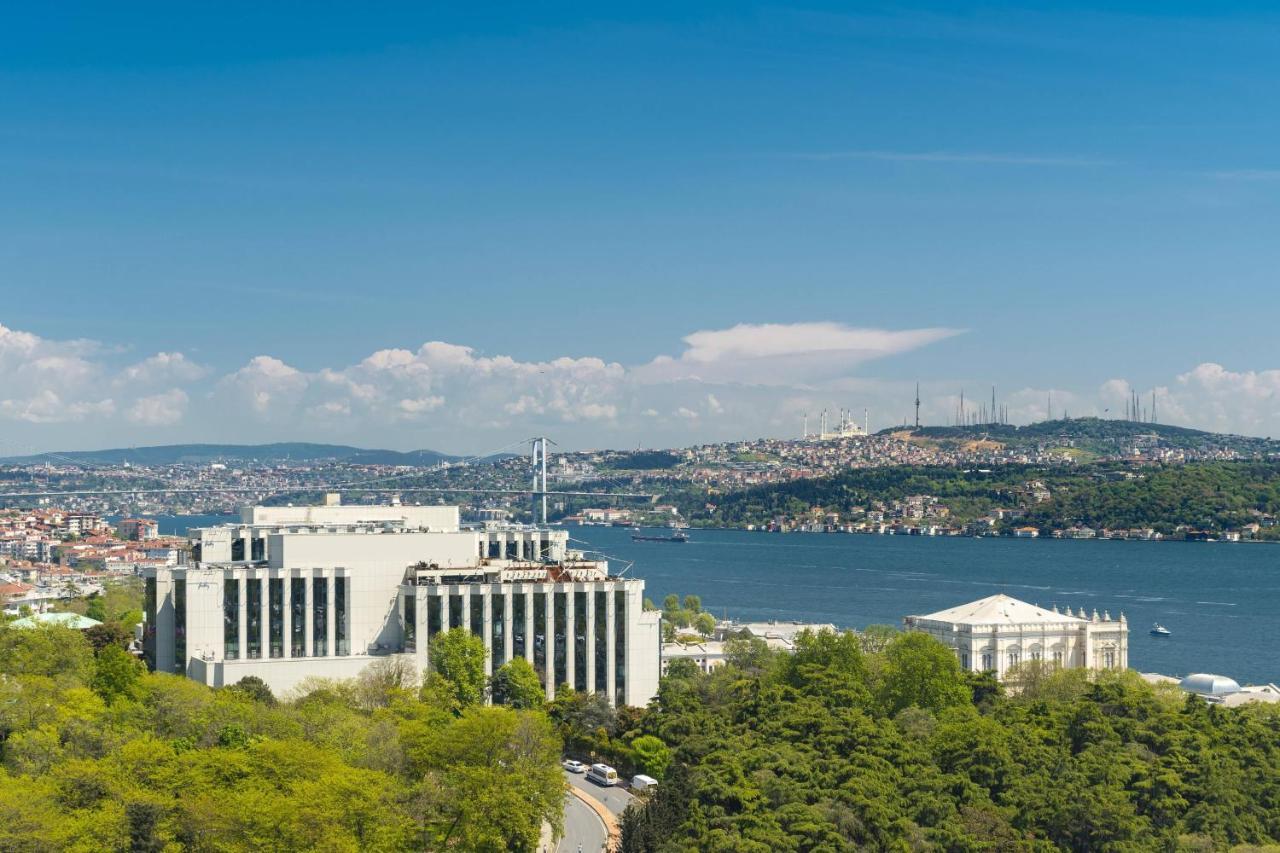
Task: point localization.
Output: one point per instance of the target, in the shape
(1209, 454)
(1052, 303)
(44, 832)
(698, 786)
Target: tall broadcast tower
(917, 405)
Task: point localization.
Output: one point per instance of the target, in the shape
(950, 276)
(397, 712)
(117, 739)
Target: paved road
(615, 799)
(582, 828)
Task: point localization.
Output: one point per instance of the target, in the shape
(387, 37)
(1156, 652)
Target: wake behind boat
(677, 536)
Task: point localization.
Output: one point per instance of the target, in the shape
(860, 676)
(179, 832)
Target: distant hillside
(1096, 434)
(294, 451)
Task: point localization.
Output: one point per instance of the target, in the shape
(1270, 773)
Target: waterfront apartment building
(997, 633)
(292, 592)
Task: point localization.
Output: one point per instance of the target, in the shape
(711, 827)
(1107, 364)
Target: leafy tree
(108, 634)
(54, 651)
(652, 756)
(671, 603)
(693, 603)
(255, 688)
(920, 671)
(117, 674)
(459, 658)
(517, 685)
(705, 624)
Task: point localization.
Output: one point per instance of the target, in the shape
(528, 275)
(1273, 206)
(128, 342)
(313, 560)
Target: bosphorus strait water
(1220, 600)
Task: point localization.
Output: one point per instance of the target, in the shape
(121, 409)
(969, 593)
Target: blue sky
(267, 195)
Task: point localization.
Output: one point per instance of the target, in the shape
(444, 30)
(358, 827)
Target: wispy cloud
(961, 157)
(1247, 175)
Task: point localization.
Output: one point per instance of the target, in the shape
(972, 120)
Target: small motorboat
(1158, 630)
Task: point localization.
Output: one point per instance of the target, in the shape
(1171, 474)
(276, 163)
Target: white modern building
(997, 633)
(293, 592)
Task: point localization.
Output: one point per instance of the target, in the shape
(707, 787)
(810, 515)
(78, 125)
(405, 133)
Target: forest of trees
(1206, 495)
(98, 754)
(842, 748)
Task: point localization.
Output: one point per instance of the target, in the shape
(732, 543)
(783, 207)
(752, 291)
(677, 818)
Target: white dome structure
(1206, 684)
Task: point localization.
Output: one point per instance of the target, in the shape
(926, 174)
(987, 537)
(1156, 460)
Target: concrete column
(243, 615)
(464, 618)
(591, 637)
(331, 619)
(486, 609)
(508, 625)
(570, 636)
(286, 617)
(265, 620)
(549, 652)
(611, 646)
(528, 623)
(309, 613)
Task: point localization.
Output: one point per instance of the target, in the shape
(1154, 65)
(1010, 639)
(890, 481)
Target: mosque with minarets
(998, 633)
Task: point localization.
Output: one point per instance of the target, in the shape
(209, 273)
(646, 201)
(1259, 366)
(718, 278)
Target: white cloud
(784, 354)
(161, 368)
(738, 382)
(164, 409)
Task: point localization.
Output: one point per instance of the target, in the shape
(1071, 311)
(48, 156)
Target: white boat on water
(1158, 630)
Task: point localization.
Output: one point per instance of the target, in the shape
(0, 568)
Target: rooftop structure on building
(777, 635)
(292, 592)
(998, 633)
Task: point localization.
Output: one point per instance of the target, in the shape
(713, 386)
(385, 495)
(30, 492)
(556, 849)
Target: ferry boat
(1158, 630)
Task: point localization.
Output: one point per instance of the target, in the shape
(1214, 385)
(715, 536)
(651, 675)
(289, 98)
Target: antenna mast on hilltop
(917, 405)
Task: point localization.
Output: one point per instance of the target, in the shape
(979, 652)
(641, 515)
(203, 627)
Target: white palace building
(293, 592)
(997, 633)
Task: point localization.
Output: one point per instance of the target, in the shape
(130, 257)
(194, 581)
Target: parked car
(574, 766)
(641, 782)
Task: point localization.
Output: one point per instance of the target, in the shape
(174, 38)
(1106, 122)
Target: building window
(1015, 658)
(231, 619)
(341, 634)
(253, 618)
(540, 635)
(499, 605)
(410, 626)
(1036, 655)
(320, 617)
(297, 617)
(457, 619)
(620, 647)
(257, 548)
(237, 549)
(433, 615)
(275, 612)
(1057, 658)
(477, 615)
(602, 644)
(986, 662)
(580, 641)
(149, 623)
(560, 630)
(180, 625)
(1109, 660)
(964, 660)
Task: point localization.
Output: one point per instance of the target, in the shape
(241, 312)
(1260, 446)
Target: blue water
(177, 525)
(1221, 600)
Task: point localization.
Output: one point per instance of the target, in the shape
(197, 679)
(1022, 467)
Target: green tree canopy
(517, 685)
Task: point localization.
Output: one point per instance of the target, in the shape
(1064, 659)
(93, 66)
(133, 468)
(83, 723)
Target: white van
(603, 774)
(641, 782)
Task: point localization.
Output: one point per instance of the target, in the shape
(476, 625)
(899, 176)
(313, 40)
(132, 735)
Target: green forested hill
(839, 749)
(1208, 495)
